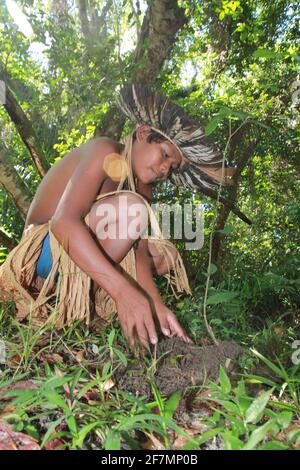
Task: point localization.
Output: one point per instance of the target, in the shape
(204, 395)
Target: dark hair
(153, 136)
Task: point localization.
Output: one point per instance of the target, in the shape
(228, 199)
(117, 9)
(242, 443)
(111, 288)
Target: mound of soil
(179, 366)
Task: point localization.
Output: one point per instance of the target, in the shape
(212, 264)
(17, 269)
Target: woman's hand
(169, 324)
(136, 319)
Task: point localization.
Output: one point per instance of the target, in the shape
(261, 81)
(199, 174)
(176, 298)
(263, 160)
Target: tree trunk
(84, 21)
(225, 210)
(14, 186)
(162, 21)
(26, 131)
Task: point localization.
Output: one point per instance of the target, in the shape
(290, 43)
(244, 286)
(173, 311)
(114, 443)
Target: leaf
(231, 442)
(213, 269)
(83, 433)
(172, 403)
(231, 91)
(113, 440)
(258, 434)
(57, 400)
(226, 230)
(48, 436)
(229, 406)
(95, 349)
(121, 356)
(55, 382)
(203, 438)
(224, 381)
(261, 124)
(273, 445)
(80, 356)
(221, 297)
(214, 122)
(111, 337)
(284, 418)
(21, 385)
(257, 406)
(268, 53)
(270, 364)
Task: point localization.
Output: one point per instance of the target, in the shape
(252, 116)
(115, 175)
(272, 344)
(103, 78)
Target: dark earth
(178, 367)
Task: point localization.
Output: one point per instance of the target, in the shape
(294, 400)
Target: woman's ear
(142, 132)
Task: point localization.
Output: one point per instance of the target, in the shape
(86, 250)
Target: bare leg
(117, 222)
(159, 261)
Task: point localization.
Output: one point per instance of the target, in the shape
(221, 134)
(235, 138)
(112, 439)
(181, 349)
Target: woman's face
(153, 161)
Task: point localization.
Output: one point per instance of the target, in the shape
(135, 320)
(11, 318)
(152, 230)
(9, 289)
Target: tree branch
(8, 241)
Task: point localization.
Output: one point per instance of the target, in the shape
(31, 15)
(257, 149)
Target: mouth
(156, 177)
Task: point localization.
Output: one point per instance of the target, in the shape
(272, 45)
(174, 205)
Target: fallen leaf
(107, 385)
(80, 356)
(44, 341)
(54, 444)
(14, 361)
(50, 358)
(7, 411)
(21, 385)
(153, 443)
(92, 396)
(181, 441)
(11, 440)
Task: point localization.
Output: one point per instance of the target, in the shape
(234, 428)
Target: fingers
(178, 331)
(143, 336)
(149, 324)
(142, 331)
(164, 325)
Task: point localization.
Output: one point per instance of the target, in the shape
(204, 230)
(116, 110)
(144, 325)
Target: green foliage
(233, 63)
(249, 423)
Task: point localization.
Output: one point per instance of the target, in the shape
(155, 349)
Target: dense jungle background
(235, 67)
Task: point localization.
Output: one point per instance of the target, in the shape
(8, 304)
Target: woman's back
(55, 181)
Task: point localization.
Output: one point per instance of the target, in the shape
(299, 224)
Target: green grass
(69, 392)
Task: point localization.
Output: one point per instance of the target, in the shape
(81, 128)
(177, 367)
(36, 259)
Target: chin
(146, 178)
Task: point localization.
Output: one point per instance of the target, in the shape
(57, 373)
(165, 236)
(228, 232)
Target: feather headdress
(203, 161)
(202, 166)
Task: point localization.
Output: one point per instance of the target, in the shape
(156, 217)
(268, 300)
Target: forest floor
(83, 389)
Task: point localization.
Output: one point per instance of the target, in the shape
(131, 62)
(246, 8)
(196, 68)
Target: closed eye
(176, 165)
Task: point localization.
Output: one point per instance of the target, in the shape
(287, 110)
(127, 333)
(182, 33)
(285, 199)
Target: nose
(166, 166)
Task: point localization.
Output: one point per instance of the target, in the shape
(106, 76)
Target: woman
(65, 254)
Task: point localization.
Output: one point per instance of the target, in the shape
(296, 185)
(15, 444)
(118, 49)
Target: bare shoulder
(94, 157)
(99, 146)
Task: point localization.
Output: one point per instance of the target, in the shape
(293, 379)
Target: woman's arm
(167, 320)
(144, 267)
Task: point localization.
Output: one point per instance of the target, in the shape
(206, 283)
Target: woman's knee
(125, 215)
